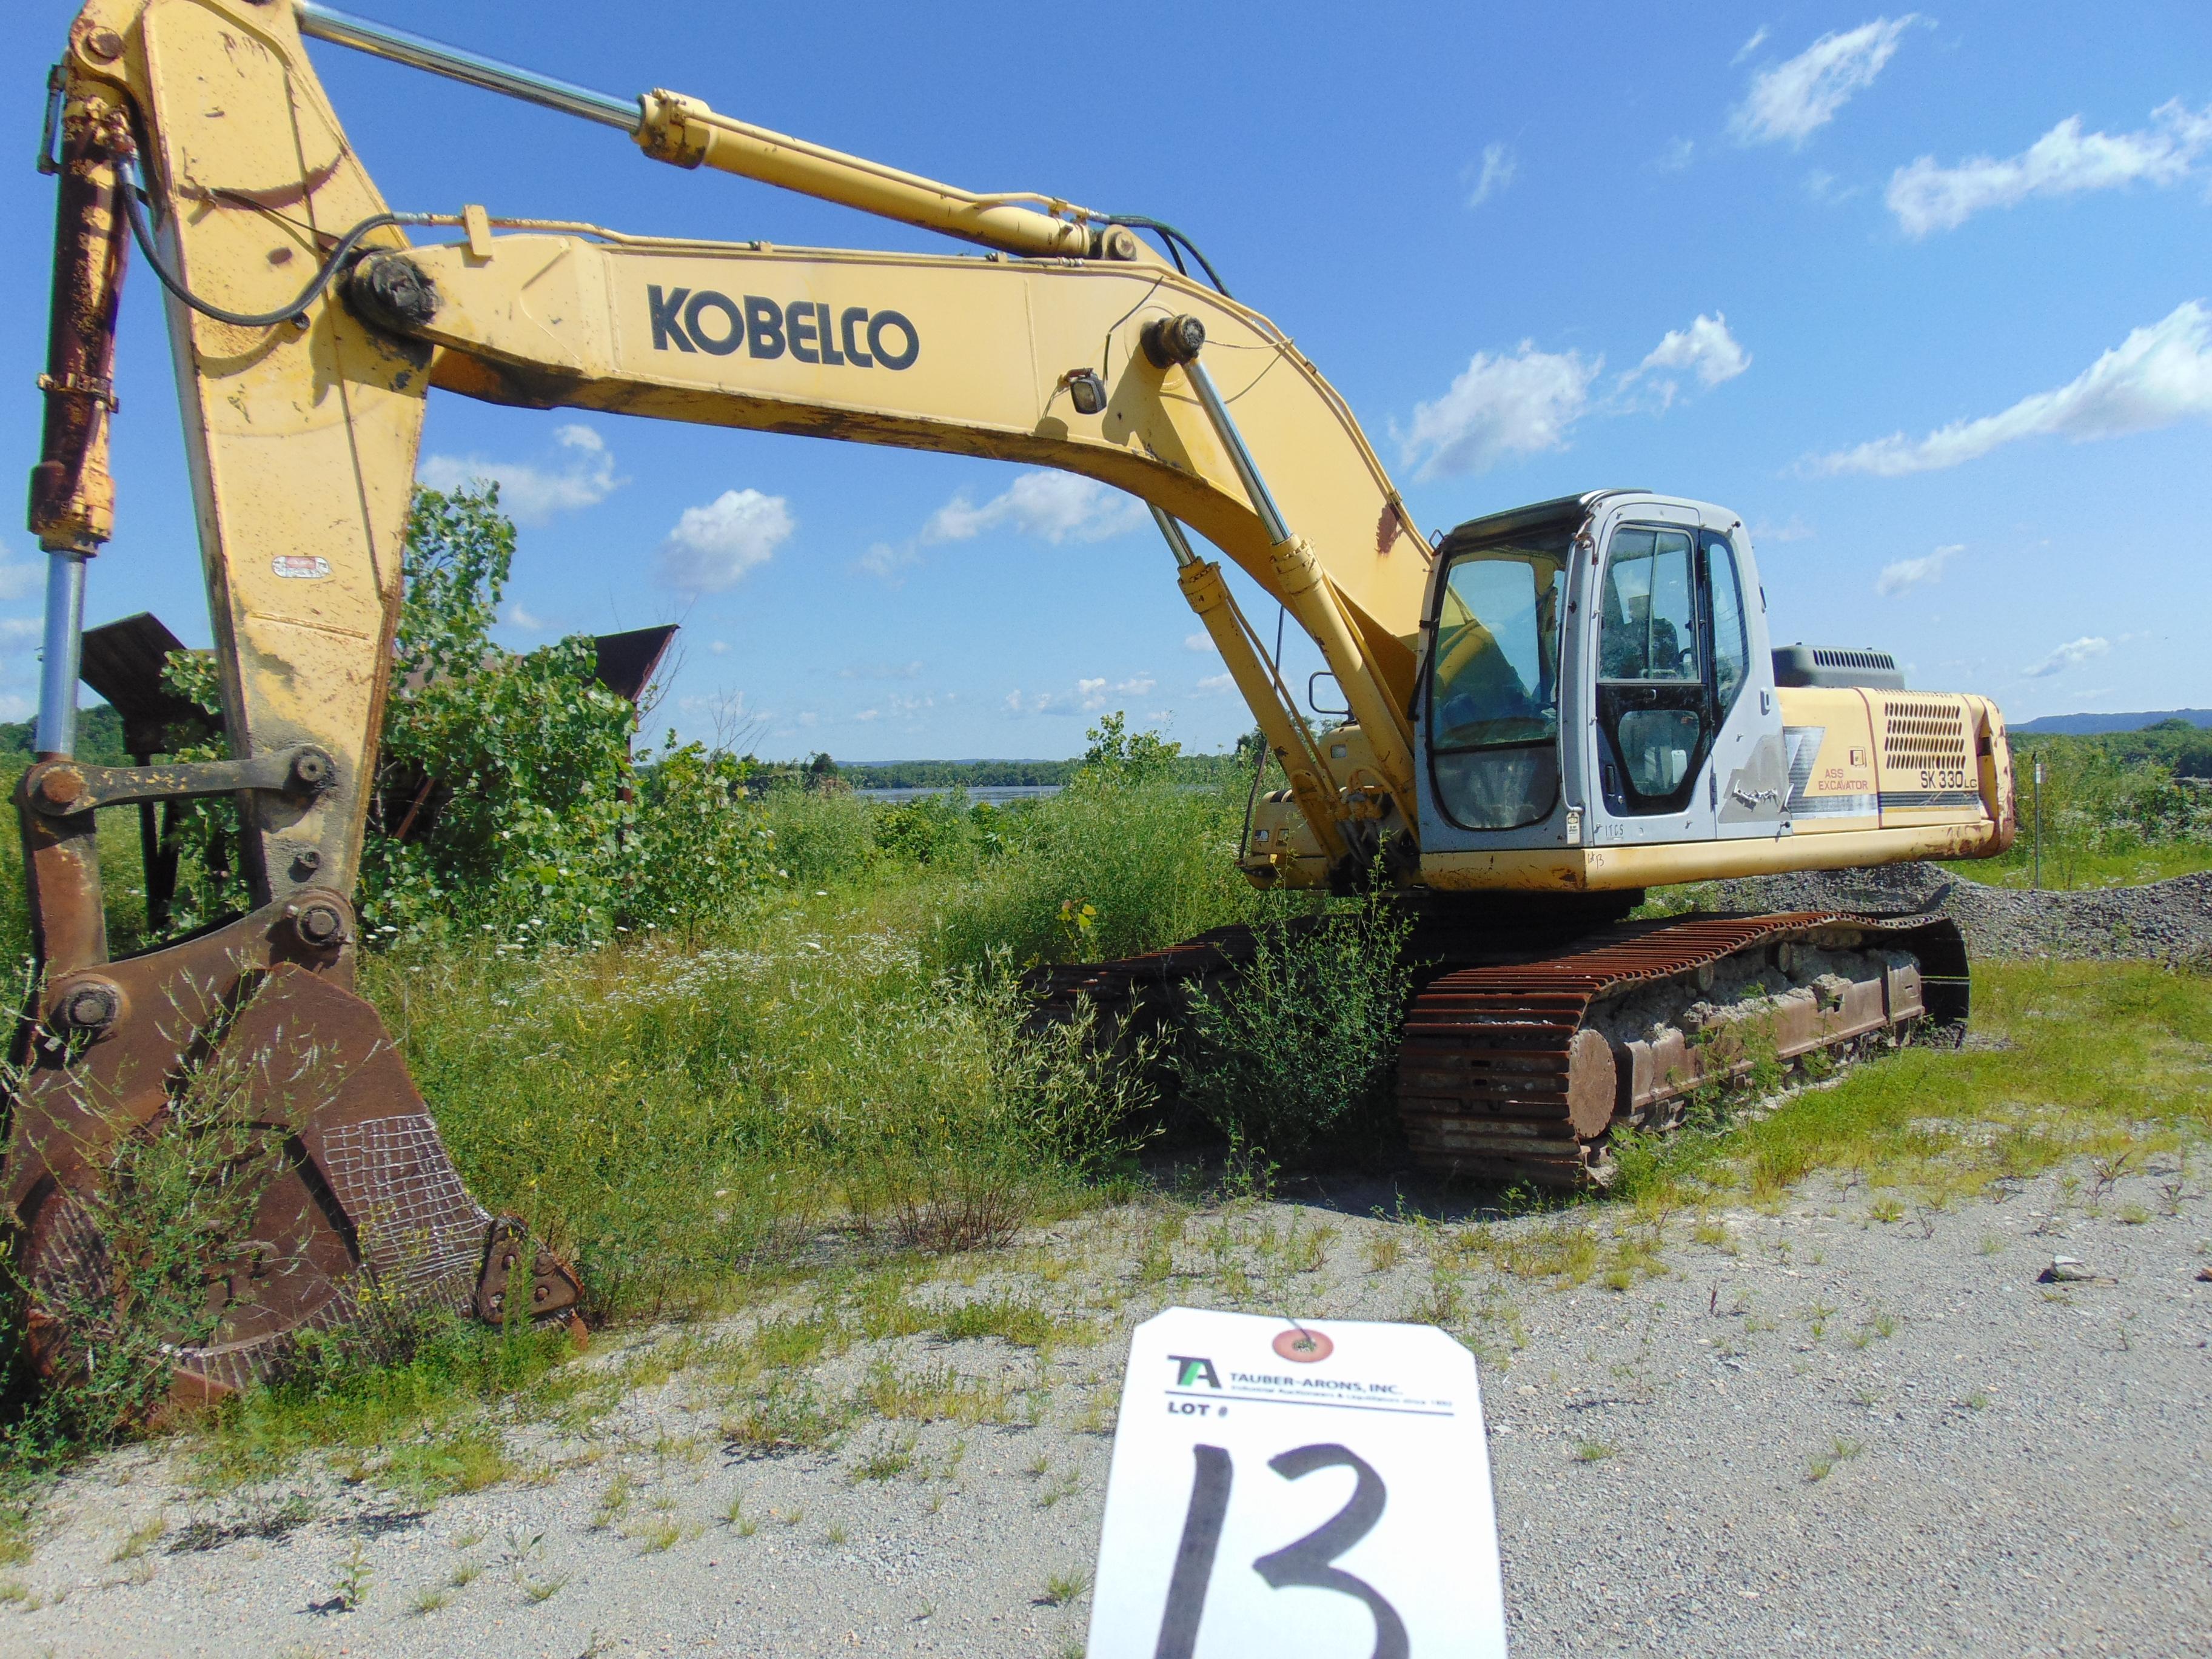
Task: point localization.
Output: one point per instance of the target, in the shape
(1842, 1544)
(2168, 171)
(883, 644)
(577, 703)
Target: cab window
(1650, 629)
(1731, 637)
(1494, 683)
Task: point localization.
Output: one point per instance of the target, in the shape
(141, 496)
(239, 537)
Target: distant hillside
(2083, 725)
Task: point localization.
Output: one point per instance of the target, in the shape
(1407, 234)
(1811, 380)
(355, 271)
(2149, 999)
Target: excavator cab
(1598, 675)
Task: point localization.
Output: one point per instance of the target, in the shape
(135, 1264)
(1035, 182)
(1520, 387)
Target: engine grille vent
(1829, 666)
(1923, 735)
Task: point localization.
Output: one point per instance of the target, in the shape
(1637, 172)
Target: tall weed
(1301, 1042)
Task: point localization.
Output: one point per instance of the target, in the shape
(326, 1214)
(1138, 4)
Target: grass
(1060, 1588)
(1821, 1465)
(2101, 1059)
(842, 1061)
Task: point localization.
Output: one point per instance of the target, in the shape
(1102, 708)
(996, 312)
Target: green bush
(819, 835)
(2116, 808)
(1125, 859)
(1303, 1041)
(938, 829)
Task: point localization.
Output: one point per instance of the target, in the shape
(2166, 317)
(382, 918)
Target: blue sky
(1926, 297)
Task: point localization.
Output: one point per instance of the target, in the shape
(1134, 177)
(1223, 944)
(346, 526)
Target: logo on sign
(300, 566)
(1188, 1369)
(700, 319)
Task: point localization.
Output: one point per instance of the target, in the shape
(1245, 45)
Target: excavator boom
(308, 331)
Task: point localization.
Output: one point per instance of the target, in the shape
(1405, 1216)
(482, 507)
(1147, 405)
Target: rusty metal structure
(1546, 711)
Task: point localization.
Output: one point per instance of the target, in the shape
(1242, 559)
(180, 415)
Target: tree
(1117, 756)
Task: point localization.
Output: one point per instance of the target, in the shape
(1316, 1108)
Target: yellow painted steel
(301, 437)
(1663, 864)
(564, 320)
(1289, 738)
(685, 132)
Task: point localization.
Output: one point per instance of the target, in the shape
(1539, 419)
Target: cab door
(1689, 735)
(1655, 714)
(1748, 779)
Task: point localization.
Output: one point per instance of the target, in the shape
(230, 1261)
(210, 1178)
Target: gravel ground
(1813, 1429)
(2160, 921)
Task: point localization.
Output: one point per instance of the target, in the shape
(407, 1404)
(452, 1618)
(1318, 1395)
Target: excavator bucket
(214, 1145)
(322, 1193)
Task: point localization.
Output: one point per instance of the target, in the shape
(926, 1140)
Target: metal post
(59, 662)
(340, 28)
(2037, 881)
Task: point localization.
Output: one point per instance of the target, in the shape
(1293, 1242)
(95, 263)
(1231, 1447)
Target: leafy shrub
(928, 829)
(1301, 1042)
(972, 1115)
(1153, 862)
(819, 836)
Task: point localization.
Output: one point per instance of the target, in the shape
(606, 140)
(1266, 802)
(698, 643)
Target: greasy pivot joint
(319, 922)
(390, 291)
(87, 1006)
(1172, 340)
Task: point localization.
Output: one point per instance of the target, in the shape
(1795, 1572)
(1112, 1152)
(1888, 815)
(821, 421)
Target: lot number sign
(1302, 1491)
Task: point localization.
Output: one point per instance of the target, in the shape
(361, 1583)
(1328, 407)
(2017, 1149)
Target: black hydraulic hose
(1168, 235)
(133, 197)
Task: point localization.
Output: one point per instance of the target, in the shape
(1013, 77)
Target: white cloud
(1706, 346)
(531, 494)
(2072, 654)
(1492, 174)
(1526, 404)
(1795, 99)
(2064, 162)
(25, 629)
(884, 562)
(1093, 694)
(720, 648)
(19, 578)
(1217, 682)
(882, 670)
(15, 706)
(1060, 507)
(1676, 156)
(1902, 574)
(867, 714)
(1501, 406)
(1795, 530)
(1758, 40)
(2157, 376)
(1202, 643)
(528, 621)
(712, 547)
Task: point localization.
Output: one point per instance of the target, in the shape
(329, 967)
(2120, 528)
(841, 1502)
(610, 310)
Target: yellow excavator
(1545, 711)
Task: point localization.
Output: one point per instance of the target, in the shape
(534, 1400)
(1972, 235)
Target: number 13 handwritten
(1308, 1563)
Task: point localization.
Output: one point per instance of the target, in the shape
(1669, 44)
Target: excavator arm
(307, 332)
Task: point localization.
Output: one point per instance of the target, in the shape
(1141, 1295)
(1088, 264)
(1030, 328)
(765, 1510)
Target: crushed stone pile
(2164, 921)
